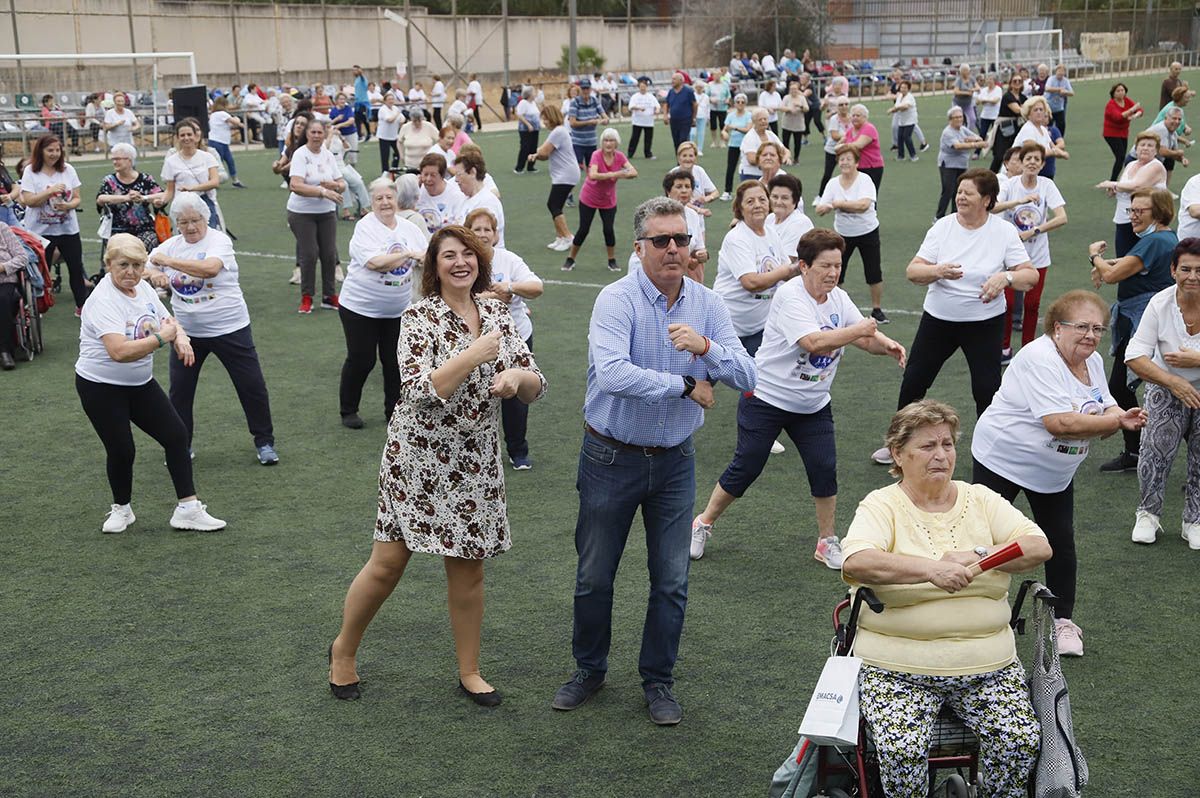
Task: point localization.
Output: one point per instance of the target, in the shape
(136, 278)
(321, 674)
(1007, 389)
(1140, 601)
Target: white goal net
(1009, 50)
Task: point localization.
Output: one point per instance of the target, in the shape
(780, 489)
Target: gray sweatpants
(316, 237)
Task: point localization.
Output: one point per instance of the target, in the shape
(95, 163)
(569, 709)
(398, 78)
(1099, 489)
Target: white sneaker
(1191, 533)
(701, 532)
(338, 274)
(1145, 528)
(195, 517)
(725, 197)
(1070, 638)
(295, 276)
(284, 184)
(119, 519)
(777, 448)
(829, 551)
(553, 244)
(564, 244)
(882, 456)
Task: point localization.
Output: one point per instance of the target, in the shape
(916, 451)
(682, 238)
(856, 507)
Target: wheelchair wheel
(955, 786)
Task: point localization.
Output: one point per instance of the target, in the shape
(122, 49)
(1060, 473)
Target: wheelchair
(27, 326)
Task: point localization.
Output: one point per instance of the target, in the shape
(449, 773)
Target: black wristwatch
(689, 385)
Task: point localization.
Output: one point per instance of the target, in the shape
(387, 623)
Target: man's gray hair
(1173, 111)
(653, 208)
(188, 201)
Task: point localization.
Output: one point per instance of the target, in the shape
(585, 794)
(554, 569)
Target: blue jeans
(612, 485)
(226, 154)
(680, 128)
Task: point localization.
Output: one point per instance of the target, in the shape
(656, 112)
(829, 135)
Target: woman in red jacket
(1117, 114)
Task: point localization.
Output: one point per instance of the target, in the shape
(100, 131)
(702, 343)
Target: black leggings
(791, 140)
(237, 354)
(638, 132)
(732, 156)
(10, 297)
(389, 154)
(111, 409)
(937, 340)
(437, 118)
(366, 336)
(1000, 145)
(1119, 146)
(528, 146)
(558, 198)
(1118, 381)
(514, 416)
(1055, 514)
(950, 176)
(830, 168)
(716, 120)
(813, 117)
(71, 247)
(607, 218)
(868, 246)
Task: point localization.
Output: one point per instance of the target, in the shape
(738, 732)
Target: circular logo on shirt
(767, 263)
(433, 219)
(1026, 218)
(186, 284)
(1091, 408)
(409, 263)
(823, 361)
(145, 326)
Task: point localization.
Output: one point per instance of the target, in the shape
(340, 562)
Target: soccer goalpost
(1009, 47)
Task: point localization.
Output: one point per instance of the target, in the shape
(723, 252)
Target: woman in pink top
(599, 193)
(460, 138)
(864, 138)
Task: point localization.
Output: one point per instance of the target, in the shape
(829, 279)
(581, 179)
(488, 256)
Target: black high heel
(489, 699)
(342, 692)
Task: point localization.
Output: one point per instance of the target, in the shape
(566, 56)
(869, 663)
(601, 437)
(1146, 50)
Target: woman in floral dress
(441, 484)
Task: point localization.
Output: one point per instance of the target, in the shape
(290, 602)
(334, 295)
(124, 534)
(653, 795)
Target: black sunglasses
(661, 242)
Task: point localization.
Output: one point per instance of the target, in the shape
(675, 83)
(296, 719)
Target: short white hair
(188, 201)
(954, 109)
(860, 108)
(381, 183)
(610, 134)
(408, 190)
(123, 150)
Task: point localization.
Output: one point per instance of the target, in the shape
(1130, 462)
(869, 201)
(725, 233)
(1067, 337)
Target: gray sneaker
(664, 709)
(583, 685)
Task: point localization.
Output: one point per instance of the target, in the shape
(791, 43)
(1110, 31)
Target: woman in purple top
(599, 193)
(864, 138)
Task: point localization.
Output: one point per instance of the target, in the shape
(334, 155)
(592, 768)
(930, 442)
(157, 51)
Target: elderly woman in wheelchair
(944, 638)
(12, 263)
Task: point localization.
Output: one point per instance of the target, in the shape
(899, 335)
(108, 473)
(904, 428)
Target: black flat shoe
(342, 692)
(490, 699)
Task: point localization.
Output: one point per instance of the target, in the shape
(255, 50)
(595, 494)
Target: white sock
(194, 504)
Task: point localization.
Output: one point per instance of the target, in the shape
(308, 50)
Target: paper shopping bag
(832, 714)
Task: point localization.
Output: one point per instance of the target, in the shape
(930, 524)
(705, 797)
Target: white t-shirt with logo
(380, 295)
(122, 133)
(789, 377)
(703, 183)
(847, 223)
(1029, 215)
(483, 198)
(743, 252)
(511, 267)
(110, 310)
(206, 306)
(189, 171)
(43, 219)
(989, 249)
(314, 168)
(771, 101)
(642, 109)
(219, 129)
(750, 143)
(390, 119)
(1189, 227)
(443, 209)
(1010, 437)
(792, 228)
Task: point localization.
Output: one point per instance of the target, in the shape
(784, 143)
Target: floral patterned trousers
(901, 709)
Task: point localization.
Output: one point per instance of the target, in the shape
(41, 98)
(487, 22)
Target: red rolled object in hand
(1006, 553)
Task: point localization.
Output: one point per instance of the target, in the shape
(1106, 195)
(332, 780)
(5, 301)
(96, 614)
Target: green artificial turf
(157, 663)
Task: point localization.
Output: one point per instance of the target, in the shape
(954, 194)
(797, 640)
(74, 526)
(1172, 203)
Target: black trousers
(389, 154)
(1117, 382)
(830, 168)
(528, 144)
(514, 416)
(9, 297)
(71, 247)
(950, 176)
(1055, 514)
(791, 140)
(1119, 146)
(732, 156)
(1000, 145)
(1060, 120)
(362, 120)
(112, 408)
(437, 118)
(813, 117)
(937, 340)
(876, 175)
(366, 340)
(237, 354)
(636, 135)
(607, 218)
(478, 121)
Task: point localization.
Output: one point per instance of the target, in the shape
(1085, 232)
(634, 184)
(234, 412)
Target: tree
(587, 59)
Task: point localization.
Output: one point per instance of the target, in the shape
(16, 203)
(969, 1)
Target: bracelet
(161, 342)
(707, 345)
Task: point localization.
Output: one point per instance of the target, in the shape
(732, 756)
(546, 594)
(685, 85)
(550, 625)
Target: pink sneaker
(1070, 638)
(829, 551)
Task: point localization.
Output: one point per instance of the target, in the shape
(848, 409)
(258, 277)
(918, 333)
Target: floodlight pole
(504, 22)
(12, 15)
(572, 12)
(408, 53)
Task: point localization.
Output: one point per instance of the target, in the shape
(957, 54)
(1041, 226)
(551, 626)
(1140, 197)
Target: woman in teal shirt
(737, 123)
(718, 98)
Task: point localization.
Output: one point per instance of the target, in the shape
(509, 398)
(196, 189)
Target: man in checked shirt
(656, 345)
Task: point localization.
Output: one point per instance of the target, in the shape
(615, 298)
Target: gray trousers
(1168, 423)
(316, 237)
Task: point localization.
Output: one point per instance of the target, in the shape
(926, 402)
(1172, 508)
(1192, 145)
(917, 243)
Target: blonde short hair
(124, 245)
(912, 417)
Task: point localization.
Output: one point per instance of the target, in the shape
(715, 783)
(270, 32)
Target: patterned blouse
(136, 218)
(441, 482)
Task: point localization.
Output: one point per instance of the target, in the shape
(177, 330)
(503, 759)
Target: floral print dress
(441, 482)
(135, 218)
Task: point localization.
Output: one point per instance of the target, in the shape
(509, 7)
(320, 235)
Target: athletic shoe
(1191, 533)
(1122, 462)
(914, 158)
(284, 184)
(352, 421)
(295, 276)
(829, 551)
(570, 200)
(879, 316)
(725, 197)
(563, 244)
(655, 157)
(305, 304)
(78, 313)
(118, 520)
(568, 264)
(238, 184)
(553, 244)
(613, 267)
(329, 302)
(522, 463)
(924, 147)
(882, 456)
(1006, 356)
(1070, 638)
(267, 455)
(1146, 526)
(518, 172)
(701, 532)
(338, 274)
(777, 448)
(196, 518)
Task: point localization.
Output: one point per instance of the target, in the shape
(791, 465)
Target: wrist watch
(1008, 276)
(982, 551)
(689, 385)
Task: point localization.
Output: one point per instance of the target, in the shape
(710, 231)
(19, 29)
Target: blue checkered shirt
(635, 375)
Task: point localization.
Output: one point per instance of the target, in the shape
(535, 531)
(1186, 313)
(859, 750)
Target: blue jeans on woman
(226, 156)
(613, 484)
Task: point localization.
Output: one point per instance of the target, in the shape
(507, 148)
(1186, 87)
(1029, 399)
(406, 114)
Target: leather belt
(649, 451)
